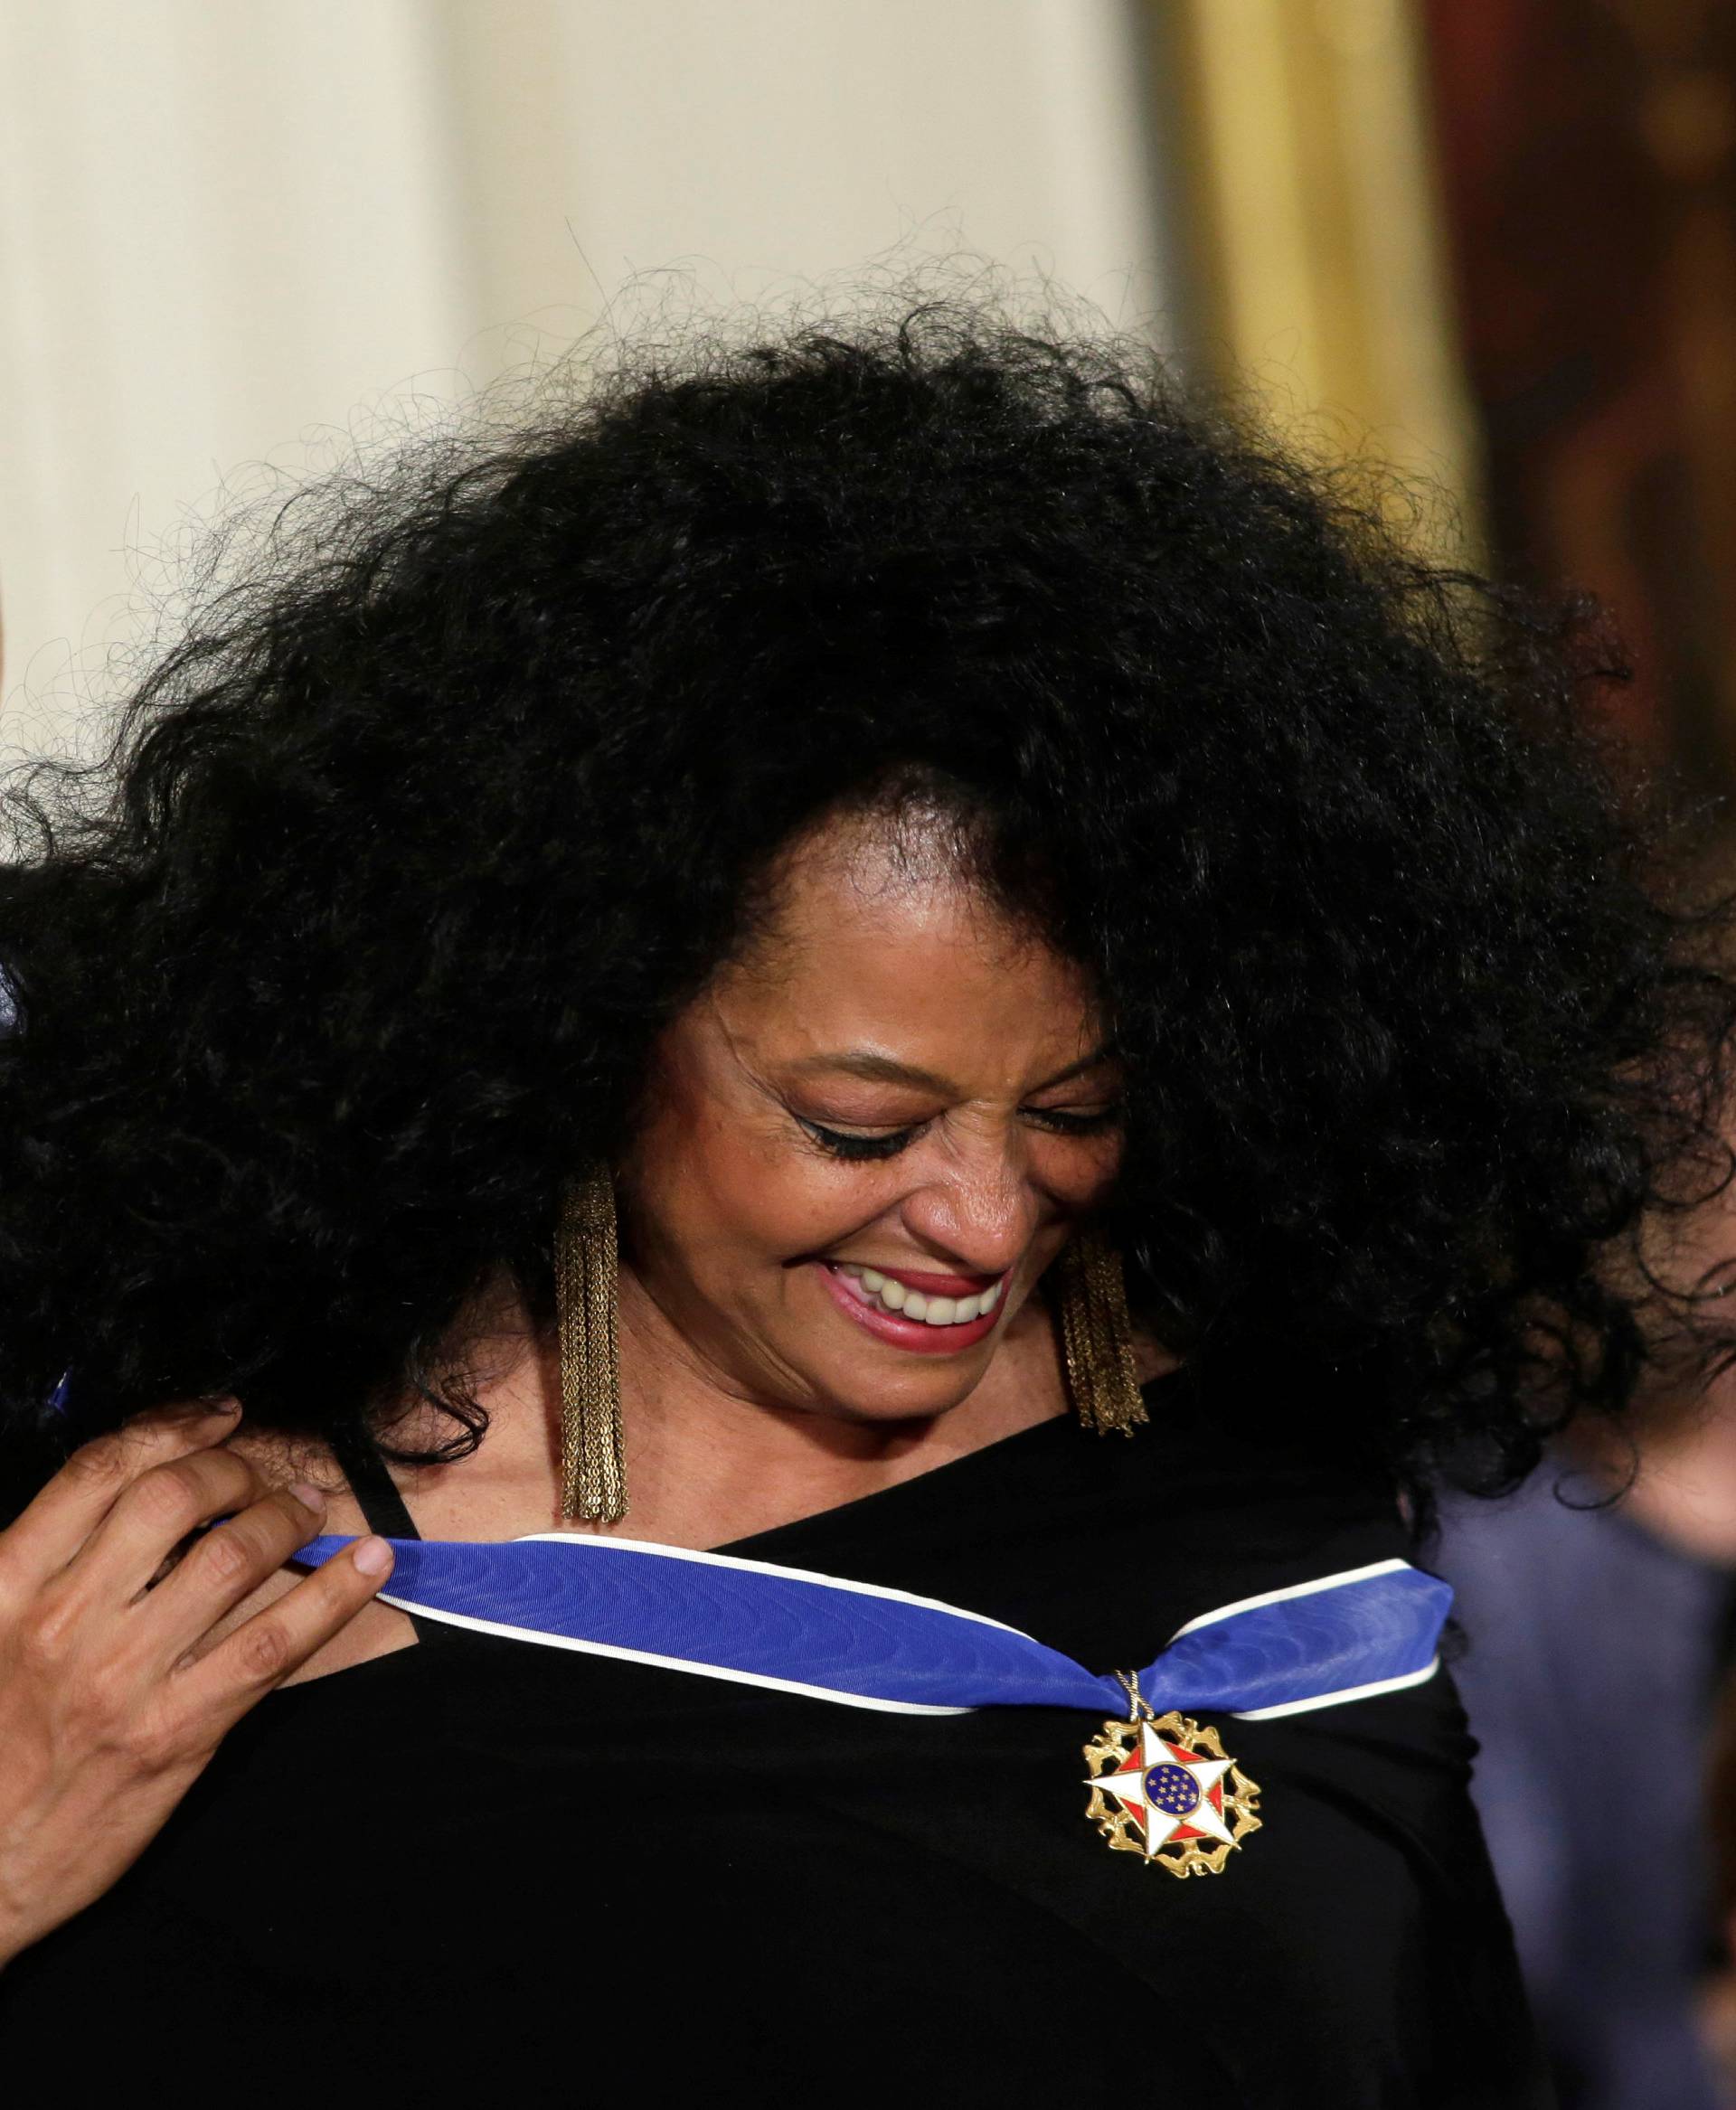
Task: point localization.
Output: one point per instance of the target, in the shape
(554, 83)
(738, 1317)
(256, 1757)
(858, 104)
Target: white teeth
(894, 1296)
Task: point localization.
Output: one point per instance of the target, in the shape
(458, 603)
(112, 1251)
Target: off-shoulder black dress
(478, 1871)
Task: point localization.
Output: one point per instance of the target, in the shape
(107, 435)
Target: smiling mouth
(899, 1295)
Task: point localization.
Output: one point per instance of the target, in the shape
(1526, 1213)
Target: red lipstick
(878, 1299)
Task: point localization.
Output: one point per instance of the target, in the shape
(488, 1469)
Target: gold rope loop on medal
(1139, 1705)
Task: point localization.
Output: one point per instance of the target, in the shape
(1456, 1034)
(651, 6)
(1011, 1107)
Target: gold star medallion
(1161, 1788)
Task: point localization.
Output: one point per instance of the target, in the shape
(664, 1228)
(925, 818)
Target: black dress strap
(374, 1489)
(377, 1496)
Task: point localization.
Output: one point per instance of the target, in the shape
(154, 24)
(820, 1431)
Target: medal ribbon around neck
(1341, 1638)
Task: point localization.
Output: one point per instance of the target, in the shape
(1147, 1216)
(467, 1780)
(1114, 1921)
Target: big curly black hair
(411, 846)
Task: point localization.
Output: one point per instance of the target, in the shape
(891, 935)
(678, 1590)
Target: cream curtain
(226, 224)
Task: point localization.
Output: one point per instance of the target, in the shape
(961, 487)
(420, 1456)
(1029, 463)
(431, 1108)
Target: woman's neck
(705, 1463)
(704, 1467)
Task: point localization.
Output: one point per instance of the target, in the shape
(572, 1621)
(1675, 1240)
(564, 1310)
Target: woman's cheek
(1084, 1168)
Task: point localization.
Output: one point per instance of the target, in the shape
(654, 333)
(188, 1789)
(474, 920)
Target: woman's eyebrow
(874, 1068)
(1080, 1069)
(886, 1070)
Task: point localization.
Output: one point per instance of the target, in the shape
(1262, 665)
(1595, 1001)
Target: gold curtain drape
(1305, 177)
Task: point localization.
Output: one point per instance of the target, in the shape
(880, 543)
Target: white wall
(226, 223)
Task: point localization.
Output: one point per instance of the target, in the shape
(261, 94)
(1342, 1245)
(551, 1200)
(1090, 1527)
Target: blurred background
(1491, 241)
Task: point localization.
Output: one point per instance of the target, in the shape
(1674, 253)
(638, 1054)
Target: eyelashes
(854, 1149)
(858, 1149)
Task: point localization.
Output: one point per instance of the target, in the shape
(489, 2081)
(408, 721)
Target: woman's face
(864, 1142)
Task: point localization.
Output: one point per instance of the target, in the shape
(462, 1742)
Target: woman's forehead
(864, 949)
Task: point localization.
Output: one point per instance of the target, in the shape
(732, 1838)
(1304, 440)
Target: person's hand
(112, 1694)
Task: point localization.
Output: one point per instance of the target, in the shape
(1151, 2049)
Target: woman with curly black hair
(856, 1003)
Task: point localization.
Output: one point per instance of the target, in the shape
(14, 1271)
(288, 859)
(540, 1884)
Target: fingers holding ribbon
(113, 1694)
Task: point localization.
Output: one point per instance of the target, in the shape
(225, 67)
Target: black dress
(479, 1870)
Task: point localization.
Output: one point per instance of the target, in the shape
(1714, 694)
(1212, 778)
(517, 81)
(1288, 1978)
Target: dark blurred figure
(1721, 1808)
(1587, 151)
(1598, 1638)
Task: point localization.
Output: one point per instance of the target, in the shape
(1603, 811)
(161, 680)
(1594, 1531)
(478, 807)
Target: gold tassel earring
(1097, 1335)
(593, 1470)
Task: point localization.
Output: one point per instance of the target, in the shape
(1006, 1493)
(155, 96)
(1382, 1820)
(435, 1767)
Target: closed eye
(860, 1149)
(1060, 1122)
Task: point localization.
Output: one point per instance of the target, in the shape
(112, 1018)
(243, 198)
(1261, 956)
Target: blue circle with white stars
(1173, 1789)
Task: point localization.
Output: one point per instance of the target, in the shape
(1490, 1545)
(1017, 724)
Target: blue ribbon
(1343, 1637)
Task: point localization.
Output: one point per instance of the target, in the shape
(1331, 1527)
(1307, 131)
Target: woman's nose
(980, 1212)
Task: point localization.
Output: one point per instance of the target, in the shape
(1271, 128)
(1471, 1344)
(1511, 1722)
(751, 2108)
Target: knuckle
(54, 1624)
(101, 1698)
(169, 1496)
(263, 1650)
(151, 1741)
(100, 1463)
(44, 1637)
(226, 1554)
